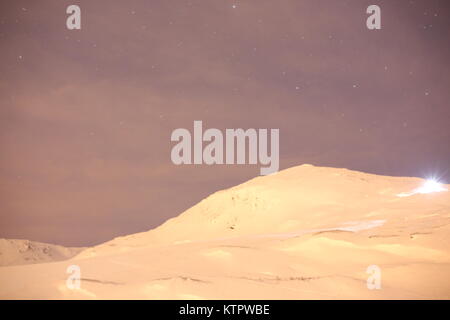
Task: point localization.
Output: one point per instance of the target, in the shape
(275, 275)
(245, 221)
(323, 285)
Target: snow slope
(303, 233)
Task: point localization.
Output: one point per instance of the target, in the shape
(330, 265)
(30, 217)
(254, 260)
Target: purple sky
(86, 115)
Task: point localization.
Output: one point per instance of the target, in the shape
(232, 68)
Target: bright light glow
(430, 186)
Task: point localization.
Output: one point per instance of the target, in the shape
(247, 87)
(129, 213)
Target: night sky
(86, 115)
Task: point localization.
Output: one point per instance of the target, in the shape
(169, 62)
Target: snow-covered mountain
(17, 252)
(305, 232)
